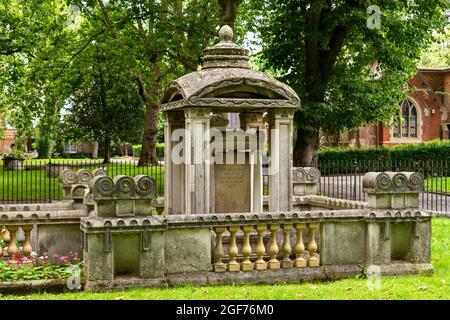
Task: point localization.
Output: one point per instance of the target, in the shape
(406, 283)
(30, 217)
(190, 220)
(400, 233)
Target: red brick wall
(7, 141)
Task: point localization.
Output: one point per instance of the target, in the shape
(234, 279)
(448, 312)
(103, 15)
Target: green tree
(104, 104)
(346, 72)
(438, 54)
(33, 42)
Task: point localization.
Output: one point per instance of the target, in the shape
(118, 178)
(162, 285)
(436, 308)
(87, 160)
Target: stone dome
(227, 83)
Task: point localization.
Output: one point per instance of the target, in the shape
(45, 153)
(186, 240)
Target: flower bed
(18, 267)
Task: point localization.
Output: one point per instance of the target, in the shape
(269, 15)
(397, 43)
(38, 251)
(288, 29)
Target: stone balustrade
(75, 184)
(121, 196)
(396, 190)
(52, 229)
(253, 247)
(266, 254)
(11, 244)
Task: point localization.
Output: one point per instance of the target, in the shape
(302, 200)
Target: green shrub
(435, 150)
(428, 158)
(160, 150)
(137, 150)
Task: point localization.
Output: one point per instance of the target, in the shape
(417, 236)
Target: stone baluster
(219, 266)
(6, 238)
(286, 248)
(300, 262)
(27, 243)
(260, 264)
(12, 246)
(20, 239)
(246, 264)
(233, 265)
(2, 235)
(313, 260)
(273, 247)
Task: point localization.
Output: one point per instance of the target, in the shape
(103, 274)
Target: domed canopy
(227, 83)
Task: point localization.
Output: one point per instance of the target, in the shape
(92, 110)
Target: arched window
(405, 125)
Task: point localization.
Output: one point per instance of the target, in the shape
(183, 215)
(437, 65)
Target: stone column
(251, 122)
(197, 166)
(174, 188)
(280, 167)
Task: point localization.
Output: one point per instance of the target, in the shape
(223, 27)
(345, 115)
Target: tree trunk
(306, 146)
(149, 139)
(107, 154)
(150, 135)
(229, 11)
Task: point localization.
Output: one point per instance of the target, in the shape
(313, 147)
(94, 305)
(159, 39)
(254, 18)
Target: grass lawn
(410, 287)
(33, 184)
(437, 184)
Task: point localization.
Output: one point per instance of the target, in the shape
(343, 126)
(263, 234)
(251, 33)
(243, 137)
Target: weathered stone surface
(122, 196)
(152, 258)
(305, 175)
(397, 190)
(98, 264)
(342, 243)
(59, 239)
(422, 242)
(401, 240)
(187, 250)
(378, 244)
(126, 253)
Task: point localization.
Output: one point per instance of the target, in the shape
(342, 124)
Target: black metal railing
(343, 179)
(36, 181)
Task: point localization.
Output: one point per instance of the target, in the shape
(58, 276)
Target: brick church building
(425, 115)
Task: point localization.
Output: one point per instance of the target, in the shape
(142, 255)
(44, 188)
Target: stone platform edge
(280, 276)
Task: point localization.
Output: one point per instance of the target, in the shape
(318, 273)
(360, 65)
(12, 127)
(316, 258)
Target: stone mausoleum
(214, 226)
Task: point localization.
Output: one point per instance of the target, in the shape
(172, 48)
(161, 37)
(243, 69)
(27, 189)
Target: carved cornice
(306, 175)
(392, 182)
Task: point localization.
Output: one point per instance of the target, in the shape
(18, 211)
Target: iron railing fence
(343, 179)
(36, 181)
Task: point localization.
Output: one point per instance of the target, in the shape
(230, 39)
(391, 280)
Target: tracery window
(405, 125)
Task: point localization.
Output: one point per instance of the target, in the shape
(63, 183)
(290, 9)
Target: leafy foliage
(438, 55)
(434, 150)
(345, 73)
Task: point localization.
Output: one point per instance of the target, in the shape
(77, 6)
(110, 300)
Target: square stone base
(273, 264)
(247, 266)
(220, 267)
(234, 267)
(287, 264)
(314, 263)
(260, 265)
(300, 263)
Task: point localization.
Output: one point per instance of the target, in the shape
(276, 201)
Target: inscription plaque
(232, 188)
